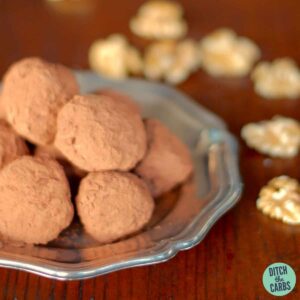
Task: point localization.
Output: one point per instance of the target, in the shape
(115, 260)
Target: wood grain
(229, 263)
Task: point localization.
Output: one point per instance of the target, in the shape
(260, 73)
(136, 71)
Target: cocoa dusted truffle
(167, 161)
(98, 132)
(33, 93)
(113, 204)
(35, 203)
(11, 145)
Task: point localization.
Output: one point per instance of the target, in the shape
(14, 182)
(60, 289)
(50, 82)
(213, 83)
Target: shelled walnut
(278, 79)
(280, 199)
(226, 54)
(171, 60)
(159, 19)
(278, 137)
(114, 57)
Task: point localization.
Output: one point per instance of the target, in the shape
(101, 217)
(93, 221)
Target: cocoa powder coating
(167, 161)
(11, 145)
(35, 203)
(97, 132)
(33, 93)
(113, 204)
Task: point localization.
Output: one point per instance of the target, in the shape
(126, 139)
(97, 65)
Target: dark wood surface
(229, 263)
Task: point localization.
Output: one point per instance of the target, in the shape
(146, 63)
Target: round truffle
(167, 161)
(97, 133)
(113, 204)
(33, 93)
(11, 145)
(35, 203)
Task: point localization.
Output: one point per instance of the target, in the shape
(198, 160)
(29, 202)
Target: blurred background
(63, 30)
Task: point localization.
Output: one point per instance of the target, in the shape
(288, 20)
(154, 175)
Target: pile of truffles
(50, 132)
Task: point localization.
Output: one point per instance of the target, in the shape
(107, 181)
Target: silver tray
(181, 219)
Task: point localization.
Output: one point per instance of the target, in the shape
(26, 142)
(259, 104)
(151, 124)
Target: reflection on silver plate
(182, 218)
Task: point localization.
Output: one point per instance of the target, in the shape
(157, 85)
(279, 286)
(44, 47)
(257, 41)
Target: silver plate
(182, 218)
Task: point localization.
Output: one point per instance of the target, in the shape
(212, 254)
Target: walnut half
(278, 137)
(226, 54)
(171, 60)
(280, 199)
(278, 79)
(159, 19)
(114, 57)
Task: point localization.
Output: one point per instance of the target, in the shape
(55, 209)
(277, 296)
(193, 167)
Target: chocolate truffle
(33, 93)
(167, 161)
(97, 132)
(11, 145)
(113, 204)
(35, 203)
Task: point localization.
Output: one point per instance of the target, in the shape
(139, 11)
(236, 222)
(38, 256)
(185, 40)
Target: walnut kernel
(171, 60)
(278, 137)
(278, 79)
(226, 54)
(280, 199)
(114, 57)
(159, 19)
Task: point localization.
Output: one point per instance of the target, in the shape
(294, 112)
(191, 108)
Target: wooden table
(229, 263)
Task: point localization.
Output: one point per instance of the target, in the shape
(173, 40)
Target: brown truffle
(97, 133)
(11, 145)
(167, 161)
(113, 204)
(33, 92)
(35, 203)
